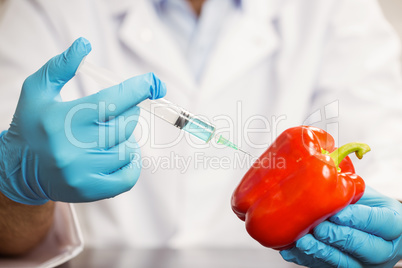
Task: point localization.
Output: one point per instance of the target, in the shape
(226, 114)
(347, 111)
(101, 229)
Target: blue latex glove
(58, 150)
(366, 234)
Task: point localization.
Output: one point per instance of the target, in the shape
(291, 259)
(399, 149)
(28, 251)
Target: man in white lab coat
(254, 68)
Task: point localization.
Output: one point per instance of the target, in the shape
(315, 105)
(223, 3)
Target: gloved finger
(326, 253)
(117, 99)
(107, 185)
(105, 174)
(363, 246)
(373, 198)
(296, 256)
(51, 77)
(84, 130)
(118, 129)
(113, 159)
(118, 178)
(380, 221)
(122, 179)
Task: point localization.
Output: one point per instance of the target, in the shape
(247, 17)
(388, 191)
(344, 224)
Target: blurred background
(392, 11)
(391, 8)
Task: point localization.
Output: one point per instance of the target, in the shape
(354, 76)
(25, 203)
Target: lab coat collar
(118, 7)
(251, 37)
(245, 40)
(144, 34)
(160, 3)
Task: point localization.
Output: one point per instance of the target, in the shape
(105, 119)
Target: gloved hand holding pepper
(366, 234)
(54, 150)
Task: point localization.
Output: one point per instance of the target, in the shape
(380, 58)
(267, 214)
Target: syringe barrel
(164, 109)
(179, 117)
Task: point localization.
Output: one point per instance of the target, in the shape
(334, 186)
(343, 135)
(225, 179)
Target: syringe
(164, 109)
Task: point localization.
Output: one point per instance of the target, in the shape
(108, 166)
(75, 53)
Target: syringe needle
(245, 152)
(226, 142)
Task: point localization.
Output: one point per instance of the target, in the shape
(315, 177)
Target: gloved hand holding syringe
(162, 108)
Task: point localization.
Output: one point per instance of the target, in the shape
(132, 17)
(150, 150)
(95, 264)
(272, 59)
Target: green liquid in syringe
(199, 129)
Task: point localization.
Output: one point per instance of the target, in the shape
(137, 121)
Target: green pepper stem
(354, 147)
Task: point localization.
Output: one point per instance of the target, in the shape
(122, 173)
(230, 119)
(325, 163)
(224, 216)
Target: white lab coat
(280, 60)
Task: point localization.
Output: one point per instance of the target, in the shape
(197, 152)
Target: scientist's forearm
(22, 227)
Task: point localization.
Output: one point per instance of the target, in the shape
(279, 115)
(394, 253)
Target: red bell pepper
(280, 203)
